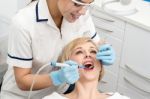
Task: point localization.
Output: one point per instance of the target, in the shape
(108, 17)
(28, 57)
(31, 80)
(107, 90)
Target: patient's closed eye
(78, 52)
(93, 51)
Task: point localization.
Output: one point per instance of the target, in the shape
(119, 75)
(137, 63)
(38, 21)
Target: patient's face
(85, 54)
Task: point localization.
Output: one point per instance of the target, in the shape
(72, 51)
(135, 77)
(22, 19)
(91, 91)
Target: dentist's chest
(48, 42)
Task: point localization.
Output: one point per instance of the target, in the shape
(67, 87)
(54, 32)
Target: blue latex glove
(67, 74)
(106, 54)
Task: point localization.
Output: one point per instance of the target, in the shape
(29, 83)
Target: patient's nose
(88, 54)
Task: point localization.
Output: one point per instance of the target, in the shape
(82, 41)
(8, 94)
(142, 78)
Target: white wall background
(8, 8)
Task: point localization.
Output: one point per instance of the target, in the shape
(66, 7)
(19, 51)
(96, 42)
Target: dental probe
(56, 64)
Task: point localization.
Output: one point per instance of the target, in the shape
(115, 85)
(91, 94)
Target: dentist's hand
(68, 74)
(106, 54)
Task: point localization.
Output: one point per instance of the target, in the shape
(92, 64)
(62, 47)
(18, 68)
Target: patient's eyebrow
(94, 48)
(81, 48)
(78, 48)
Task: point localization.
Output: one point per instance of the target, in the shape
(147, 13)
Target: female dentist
(39, 32)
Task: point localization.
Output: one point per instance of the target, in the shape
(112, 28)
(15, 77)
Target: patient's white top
(55, 95)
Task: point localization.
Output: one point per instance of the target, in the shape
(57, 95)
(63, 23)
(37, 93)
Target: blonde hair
(67, 51)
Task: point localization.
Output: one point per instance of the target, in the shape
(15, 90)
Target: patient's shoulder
(116, 95)
(55, 95)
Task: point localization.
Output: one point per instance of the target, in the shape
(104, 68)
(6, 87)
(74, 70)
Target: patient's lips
(89, 65)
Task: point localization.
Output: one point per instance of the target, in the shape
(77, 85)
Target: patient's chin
(88, 77)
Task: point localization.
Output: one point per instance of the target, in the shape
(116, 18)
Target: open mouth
(89, 66)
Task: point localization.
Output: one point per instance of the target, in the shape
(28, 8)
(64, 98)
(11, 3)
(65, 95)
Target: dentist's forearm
(24, 79)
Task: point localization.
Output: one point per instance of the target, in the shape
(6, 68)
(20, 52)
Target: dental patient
(83, 51)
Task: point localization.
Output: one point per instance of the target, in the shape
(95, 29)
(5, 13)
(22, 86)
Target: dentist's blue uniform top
(35, 40)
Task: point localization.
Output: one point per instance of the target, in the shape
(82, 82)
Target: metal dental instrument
(56, 64)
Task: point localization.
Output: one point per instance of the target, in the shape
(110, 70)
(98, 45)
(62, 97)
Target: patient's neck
(85, 90)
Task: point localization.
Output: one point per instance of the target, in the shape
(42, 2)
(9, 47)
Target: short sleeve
(19, 45)
(93, 32)
(91, 28)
